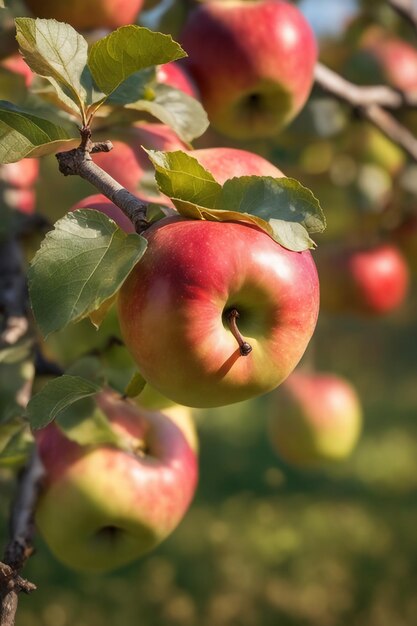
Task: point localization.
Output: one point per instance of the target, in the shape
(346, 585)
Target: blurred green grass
(265, 544)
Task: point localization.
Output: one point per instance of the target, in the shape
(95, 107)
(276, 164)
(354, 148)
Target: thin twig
(20, 546)
(370, 102)
(406, 8)
(79, 162)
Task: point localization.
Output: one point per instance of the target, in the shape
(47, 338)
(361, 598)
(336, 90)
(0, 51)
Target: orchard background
(264, 542)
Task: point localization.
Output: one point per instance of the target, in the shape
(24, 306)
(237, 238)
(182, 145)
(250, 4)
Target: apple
(23, 200)
(225, 163)
(151, 399)
(17, 182)
(370, 281)
(21, 175)
(18, 65)
(88, 14)
(174, 75)
(182, 416)
(253, 63)
(103, 507)
(129, 164)
(391, 58)
(315, 418)
(178, 310)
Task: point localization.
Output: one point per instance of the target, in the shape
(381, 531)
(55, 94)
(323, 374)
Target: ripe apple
(253, 63)
(315, 418)
(16, 184)
(394, 60)
(103, 507)
(174, 75)
(129, 164)
(18, 65)
(23, 200)
(179, 304)
(88, 14)
(371, 281)
(225, 163)
(21, 175)
(182, 416)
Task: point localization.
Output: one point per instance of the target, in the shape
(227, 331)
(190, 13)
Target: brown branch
(19, 547)
(370, 102)
(78, 162)
(406, 8)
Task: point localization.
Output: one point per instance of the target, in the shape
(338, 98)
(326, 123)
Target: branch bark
(79, 162)
(407, 9)
(19, 547)
(370, 102)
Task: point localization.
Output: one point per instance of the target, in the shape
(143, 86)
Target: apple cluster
(215, 312)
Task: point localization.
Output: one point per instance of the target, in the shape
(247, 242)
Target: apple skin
(17, 182)
(395, 59)
(182, 416)
(88, 14)
(173, 305)
(255, 68)
(20, 175)
(150, 399)
(18, 65)
(366, 281)
(175, 75)
(129, 164)
(102, 507)
(225, 163)
(315, 419)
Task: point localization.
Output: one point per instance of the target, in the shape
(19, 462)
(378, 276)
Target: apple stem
(244, 347)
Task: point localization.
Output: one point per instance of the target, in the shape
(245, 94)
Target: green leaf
(81, 263)
(136, 385)
(88, 367)
(118, 367)
(25, 135)
(56, 396)
(134, 88)
(84, 423)
(181, 176)
(281, 207)
(289, 210)
(15, 450)
(127, 50)
(56, 51)
(181, 112)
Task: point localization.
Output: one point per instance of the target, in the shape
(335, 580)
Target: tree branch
(19, 547)
(78, 162)
(370, 102)
(406, 8)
